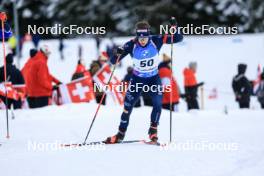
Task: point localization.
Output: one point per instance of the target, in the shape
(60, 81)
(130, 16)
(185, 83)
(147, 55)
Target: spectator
(36, 39)
(94, 67)
(14, 76)
(103, 58)
(80, 51)
(260, 91)
(32, 53)
(165, 75)
(98, 43)
(61, 48)
(242, 87)
(25, 70)
(191, 86)
(39, 80)
(80, 70)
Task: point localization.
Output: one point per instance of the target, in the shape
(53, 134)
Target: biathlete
(144, 51)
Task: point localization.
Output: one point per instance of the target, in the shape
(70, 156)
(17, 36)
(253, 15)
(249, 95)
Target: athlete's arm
(177, 37)
(159, 40)
(126, 49)
(168, 39)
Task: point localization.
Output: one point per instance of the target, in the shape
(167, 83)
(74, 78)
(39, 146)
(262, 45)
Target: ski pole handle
(173, 22)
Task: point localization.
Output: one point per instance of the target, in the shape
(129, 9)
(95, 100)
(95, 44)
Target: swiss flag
(102, 77)
(11, 92)
(79, 90)
(21, 90)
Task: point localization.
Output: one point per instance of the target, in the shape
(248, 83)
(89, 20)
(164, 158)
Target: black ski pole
(99, 105)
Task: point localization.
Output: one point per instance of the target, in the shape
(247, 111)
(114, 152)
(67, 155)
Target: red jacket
(189, 77)
(38, 79)
(25, 71)
(165, 75)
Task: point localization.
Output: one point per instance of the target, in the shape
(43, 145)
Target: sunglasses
(143, 38)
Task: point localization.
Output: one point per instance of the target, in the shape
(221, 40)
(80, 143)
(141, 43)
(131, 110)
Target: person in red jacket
(165, 75)
(39, 80)
(27, 65)
(191, 86)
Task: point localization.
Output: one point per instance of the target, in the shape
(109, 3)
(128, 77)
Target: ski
(98, 143)
(123, 142)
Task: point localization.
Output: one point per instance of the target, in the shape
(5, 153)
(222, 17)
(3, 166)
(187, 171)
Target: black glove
(120, 51)
(55, 87)
(173, 21)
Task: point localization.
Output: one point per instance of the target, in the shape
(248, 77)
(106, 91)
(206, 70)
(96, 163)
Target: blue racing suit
(145, 74)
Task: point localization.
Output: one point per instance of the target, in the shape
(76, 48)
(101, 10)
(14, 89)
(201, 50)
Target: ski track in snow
(69, 123)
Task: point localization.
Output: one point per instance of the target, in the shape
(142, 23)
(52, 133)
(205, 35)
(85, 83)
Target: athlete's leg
(131, 98)
(156, 96)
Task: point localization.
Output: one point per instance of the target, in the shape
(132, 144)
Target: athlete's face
(143, 41)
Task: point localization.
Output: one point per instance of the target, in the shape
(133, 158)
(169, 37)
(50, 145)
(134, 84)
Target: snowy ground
(226, 144)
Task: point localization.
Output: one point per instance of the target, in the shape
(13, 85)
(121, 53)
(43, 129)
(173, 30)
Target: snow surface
(217, 58)
(68, 124)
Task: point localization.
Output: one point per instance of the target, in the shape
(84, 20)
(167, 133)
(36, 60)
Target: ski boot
(153, 133)
(118, 138)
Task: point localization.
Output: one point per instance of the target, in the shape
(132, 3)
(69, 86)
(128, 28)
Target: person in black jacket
(14, 76)
(242, 87)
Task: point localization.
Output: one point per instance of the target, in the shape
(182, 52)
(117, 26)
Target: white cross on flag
(79, 90)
